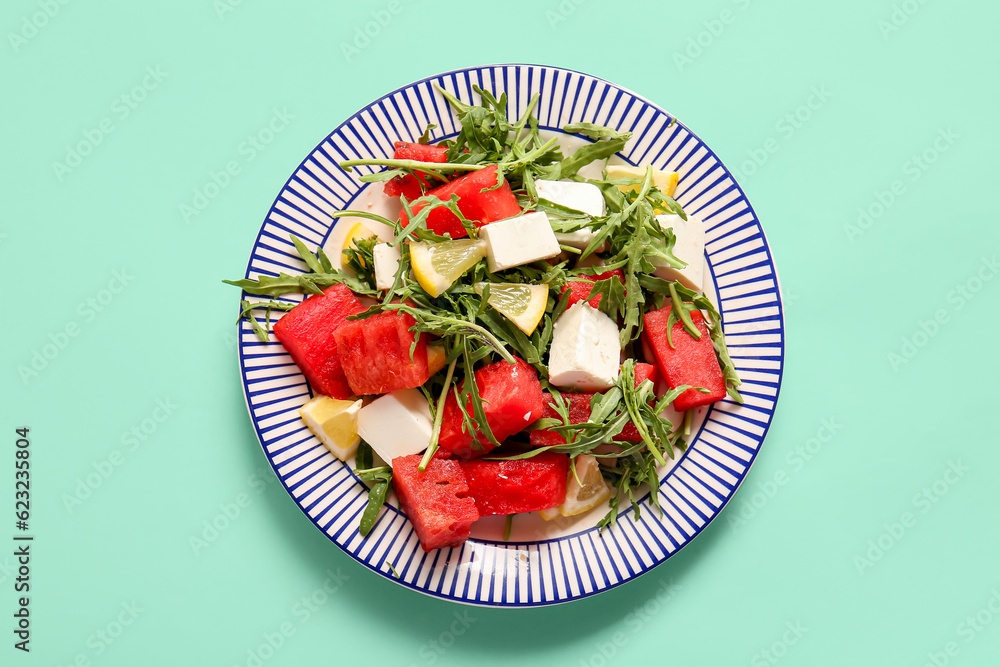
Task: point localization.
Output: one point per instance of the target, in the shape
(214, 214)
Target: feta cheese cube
(386, 264)
(584, 197)
(396, 424)
(518, 241)
(585, 350)
(581, 238)
(690, 248)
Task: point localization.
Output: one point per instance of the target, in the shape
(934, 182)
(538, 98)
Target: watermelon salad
(529, 334)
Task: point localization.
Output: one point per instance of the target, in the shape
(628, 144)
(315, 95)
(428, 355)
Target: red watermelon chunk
(307, 332)
(645, 372)
(689, 361)
(512, 399)
(405, 185)
(476, 201)
(375, 354)
(436, 500)
(511, 487)
(579, 412)
(579, 291)
(405, 150)
(408, 185)
(629, 434)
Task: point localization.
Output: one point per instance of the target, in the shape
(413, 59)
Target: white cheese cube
(584, 197)
(585, 350)
(397, 424)
(518, 241)
(386, 264)
(690, 248)
(581, 238)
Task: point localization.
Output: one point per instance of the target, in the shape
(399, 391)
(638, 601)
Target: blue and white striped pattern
(691, 494)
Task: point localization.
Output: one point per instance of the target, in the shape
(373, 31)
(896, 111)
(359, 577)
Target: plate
(541, 563)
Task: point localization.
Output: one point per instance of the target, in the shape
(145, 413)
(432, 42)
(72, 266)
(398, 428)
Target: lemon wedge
(522, 304)
(358, 231)
(335, 423)
(438, 265)
(342, 237)
(664, 181)
(594, 489)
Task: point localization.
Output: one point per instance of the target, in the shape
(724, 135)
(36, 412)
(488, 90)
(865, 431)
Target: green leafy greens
(628, 237)
(378, 478)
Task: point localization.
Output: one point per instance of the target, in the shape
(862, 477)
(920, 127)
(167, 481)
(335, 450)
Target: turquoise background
(828, 555)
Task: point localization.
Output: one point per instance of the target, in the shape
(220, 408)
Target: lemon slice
(358, 231)
(438, 265)
(664, 181)
(335, 423)
(522, 304)
(341, 237)
(594, 491)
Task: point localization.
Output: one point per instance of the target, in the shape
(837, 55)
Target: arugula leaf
(567, 167)
(322, 275)
(376, 498)
(365, 456)
(592, 131)
(379, 480)
(436, 169)
(473, 397)
(306, 283)
(425, 138)
(325, 264)
(683, 313)
(310, 259)
(381, 176)
(361, 259)
(247, 308)
(662, 201)
(629, 475)
(438, 416)
(567, 220)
